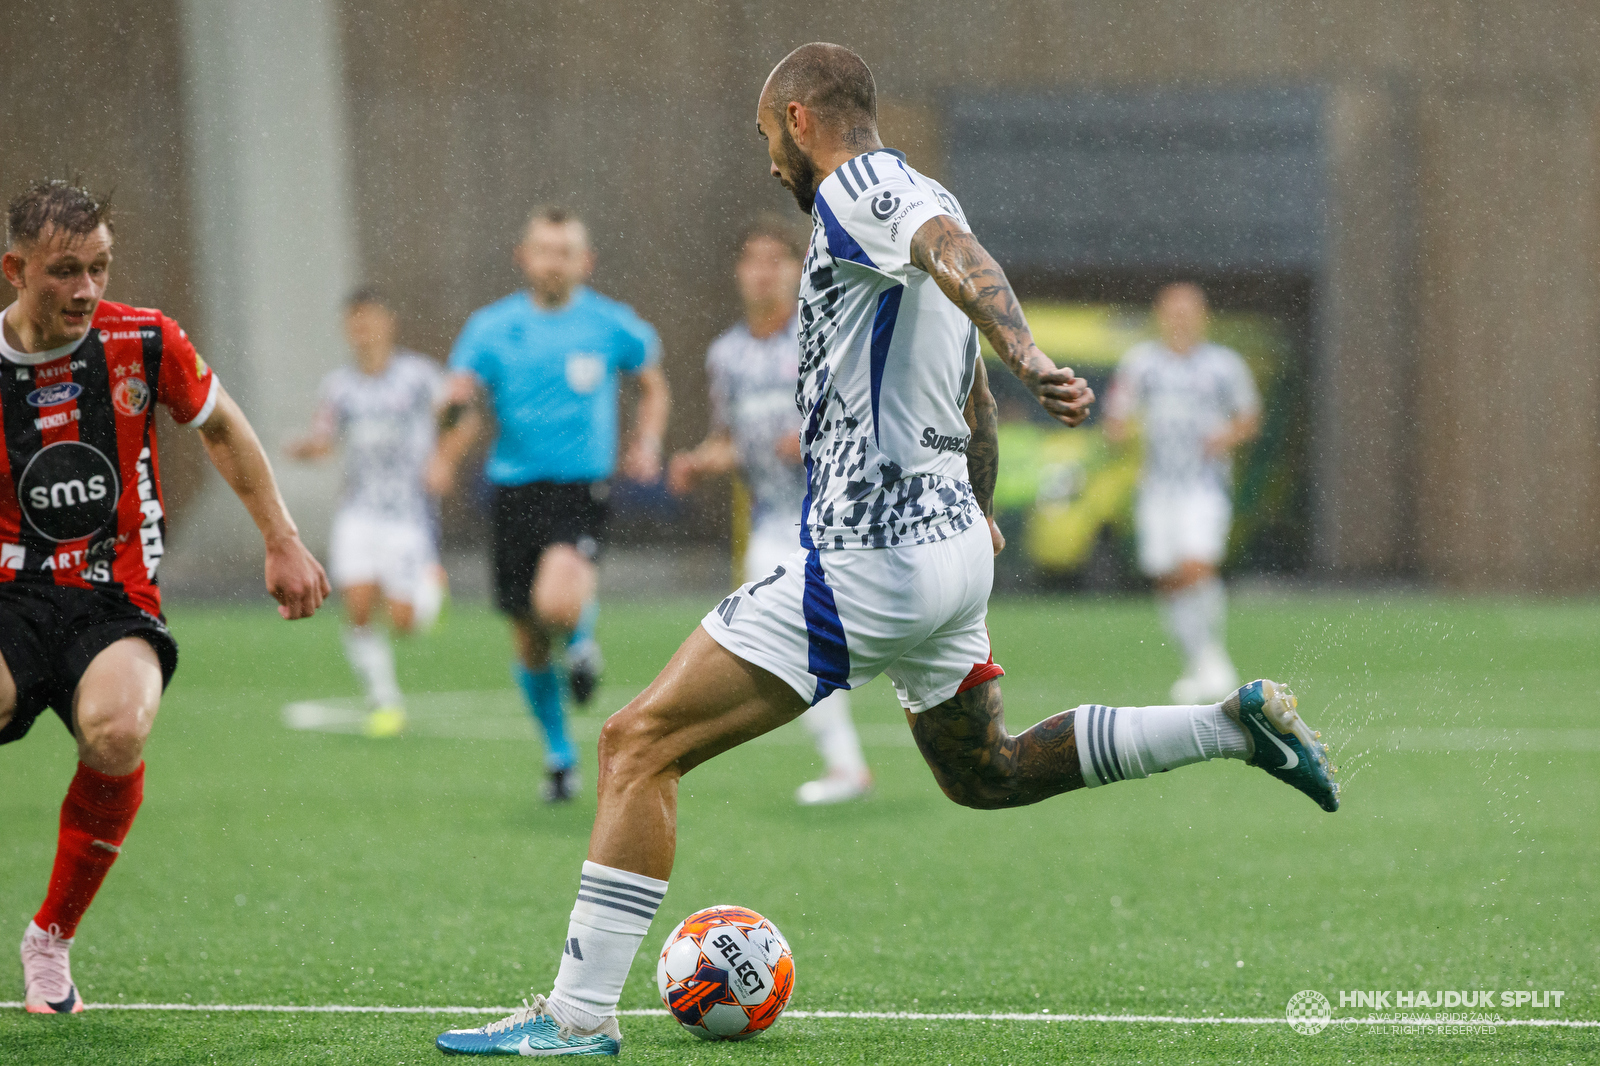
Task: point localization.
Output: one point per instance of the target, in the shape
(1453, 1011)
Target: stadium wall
(1457, 416)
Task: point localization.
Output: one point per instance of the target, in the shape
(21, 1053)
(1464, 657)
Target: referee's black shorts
(528, 519)
(49, 634)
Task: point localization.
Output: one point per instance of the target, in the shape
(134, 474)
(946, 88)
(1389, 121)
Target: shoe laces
(538, 1007)
(46, 958)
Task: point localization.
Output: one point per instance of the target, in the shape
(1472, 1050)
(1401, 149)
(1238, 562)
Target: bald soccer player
(900, 455)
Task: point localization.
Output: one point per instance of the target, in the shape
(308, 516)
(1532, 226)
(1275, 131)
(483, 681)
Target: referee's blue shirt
(551, 377)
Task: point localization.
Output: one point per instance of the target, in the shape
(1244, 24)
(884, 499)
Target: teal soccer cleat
(1281, 742)
(531, 1030)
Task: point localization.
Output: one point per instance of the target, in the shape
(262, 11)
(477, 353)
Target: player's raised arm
(294, 577)
(974, 282)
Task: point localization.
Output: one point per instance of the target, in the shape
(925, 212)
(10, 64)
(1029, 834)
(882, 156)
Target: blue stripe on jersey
(829, 656)
(882, 334)
(840, 244)
(805, 510)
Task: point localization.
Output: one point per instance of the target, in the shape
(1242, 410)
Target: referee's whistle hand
(295, 579)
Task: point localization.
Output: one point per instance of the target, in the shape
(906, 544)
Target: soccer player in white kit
(382, 412)
(896, 563)
(755, 429)
(1196, 402)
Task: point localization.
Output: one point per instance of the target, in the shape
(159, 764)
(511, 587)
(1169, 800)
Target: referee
(546, 362)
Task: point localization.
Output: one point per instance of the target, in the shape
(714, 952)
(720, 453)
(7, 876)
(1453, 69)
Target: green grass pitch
(284, 867)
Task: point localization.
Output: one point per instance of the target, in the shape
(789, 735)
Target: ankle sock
(609, 922)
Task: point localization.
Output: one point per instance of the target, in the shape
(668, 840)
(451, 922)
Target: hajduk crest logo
(51, 395)
(130, 396)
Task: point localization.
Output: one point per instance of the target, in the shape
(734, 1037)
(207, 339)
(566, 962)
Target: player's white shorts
(823, 620)
(771, 542)
(1178, 524)
(369, 550)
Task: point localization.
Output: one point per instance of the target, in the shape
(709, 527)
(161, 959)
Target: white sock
(1118, 743)
(373, 661)
(608, 924)
(1194, 616)
(831, 727)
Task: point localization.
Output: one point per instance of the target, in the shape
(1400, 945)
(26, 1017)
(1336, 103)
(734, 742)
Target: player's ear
(14, 264)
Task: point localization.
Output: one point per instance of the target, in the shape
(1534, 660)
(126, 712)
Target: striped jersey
(80, 484)
(385, 424)
(752, 398)
(886, 362)
(1183, 400)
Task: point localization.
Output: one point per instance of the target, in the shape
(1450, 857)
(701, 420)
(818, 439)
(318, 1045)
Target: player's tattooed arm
(983, 449)
(974, 282)
(978, 764)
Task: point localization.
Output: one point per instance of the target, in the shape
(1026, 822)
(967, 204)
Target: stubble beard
(802, 172)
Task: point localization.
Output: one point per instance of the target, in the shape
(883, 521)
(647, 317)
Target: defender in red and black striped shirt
(83, 529)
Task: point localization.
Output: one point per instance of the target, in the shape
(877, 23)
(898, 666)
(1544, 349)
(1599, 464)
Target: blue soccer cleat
(1281, 742)
(531, 1030)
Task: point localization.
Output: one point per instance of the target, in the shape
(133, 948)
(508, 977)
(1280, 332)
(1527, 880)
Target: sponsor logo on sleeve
(883, 205)
(12, 556)
(51, 395)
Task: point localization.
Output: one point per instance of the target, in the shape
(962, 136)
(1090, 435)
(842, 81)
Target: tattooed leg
(979, 764)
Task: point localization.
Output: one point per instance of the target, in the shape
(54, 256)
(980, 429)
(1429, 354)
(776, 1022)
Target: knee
(630, 746)
(112, 733)
(557, 609)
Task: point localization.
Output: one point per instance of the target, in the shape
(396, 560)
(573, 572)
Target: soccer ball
(725, 973)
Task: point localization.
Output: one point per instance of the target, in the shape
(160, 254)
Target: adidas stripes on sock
(609, 922)
(1118, 743)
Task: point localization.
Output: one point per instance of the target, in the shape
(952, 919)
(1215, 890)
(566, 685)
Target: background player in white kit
(1196, 402)
(754, 369)
(901, 457)
(382, 412)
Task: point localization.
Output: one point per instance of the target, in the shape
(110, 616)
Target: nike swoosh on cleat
(1288, 752)
(65, 1006)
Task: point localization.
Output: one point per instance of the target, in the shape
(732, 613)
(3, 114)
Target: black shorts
(50, 633)
(530, 518)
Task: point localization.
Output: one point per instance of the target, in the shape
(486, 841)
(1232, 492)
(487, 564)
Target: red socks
(95, 818)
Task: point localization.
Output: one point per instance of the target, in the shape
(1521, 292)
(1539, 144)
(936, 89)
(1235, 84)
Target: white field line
(857, 1015)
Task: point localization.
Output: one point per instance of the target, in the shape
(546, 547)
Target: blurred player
(901, 459)
(382, 412)
(1196, 402)
(82, 532)
(547, 361)
(755, 430)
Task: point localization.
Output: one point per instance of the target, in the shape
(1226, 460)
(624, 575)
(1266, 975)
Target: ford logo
(51, 395)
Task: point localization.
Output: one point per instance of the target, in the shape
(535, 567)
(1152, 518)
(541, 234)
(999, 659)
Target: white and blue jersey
(551, 378)
(886, 362)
